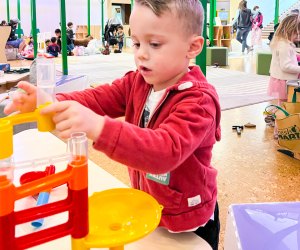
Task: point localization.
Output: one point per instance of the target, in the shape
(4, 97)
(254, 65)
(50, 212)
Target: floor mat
(238, 89)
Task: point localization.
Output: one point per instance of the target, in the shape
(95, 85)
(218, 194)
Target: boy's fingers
(9, 108)
(27, 87)
(55, 108)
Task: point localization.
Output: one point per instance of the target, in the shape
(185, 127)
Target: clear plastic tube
(46, 78)
(78, 147)
(7, 168)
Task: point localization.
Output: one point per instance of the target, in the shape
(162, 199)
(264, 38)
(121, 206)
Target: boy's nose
(142, 53)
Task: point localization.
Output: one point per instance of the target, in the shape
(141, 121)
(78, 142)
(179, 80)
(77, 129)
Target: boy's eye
(137, 45)
(155, 45)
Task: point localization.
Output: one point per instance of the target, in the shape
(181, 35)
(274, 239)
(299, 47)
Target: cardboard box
(11, 53)
(5, 66)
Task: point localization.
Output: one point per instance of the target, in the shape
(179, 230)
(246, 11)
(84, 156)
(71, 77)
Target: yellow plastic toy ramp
(120, 216)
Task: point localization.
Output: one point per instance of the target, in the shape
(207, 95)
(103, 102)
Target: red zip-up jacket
(171, 158)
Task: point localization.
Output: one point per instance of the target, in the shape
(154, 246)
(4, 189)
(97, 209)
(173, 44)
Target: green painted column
(102, 19)
(276, 17)
(63, 37)
(19, 17)
(33, 26)
(7, 11)
(89, 17)
(131, 4)
(212, 14)
(201, 59)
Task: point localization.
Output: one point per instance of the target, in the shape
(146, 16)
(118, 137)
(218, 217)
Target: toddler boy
(172, 116)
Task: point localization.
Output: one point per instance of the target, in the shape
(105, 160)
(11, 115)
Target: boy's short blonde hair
(289, 26)
(190, 12)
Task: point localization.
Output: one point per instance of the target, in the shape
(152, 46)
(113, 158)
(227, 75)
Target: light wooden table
(11, 80)
(32, 144)
(15, 78)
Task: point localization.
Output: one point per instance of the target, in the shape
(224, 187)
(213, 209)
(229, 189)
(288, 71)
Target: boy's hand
(71, 116)
(23, 100)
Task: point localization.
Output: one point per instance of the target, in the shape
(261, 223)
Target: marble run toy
(43, 197)
(75, 175)
(111, 218)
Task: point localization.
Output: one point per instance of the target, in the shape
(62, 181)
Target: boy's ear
(196, 46)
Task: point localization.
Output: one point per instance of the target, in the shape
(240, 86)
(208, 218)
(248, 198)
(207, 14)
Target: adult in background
(256, 27)
(243, 22)
(13, 40)
(110, 31)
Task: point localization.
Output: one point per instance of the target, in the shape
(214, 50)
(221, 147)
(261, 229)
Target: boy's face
(162, 49)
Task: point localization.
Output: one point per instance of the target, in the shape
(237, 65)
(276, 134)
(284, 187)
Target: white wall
(223, 5)
(48, 13)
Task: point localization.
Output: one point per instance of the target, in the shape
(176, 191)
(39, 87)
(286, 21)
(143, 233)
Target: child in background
(53, 48)
(105, 50)
(284, 64)
(256, 27)
(70, 38)
(47, 43)
(3, 23)
(120, 37)
(28, 50)
(58, 38)
(172, 116)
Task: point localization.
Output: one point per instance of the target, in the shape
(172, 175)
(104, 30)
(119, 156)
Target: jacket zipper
(139, 179)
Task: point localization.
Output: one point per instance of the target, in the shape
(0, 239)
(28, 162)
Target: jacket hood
(195, 78)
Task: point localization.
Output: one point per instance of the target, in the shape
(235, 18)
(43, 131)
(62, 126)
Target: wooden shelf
(218, 32)
(227, 36)
(222, 36)
(82, 31)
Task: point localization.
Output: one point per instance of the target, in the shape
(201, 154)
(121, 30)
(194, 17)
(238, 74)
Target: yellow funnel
(120, 216)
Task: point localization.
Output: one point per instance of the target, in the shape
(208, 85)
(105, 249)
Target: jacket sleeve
(107, 99)
(287, 60)
(164, 148)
